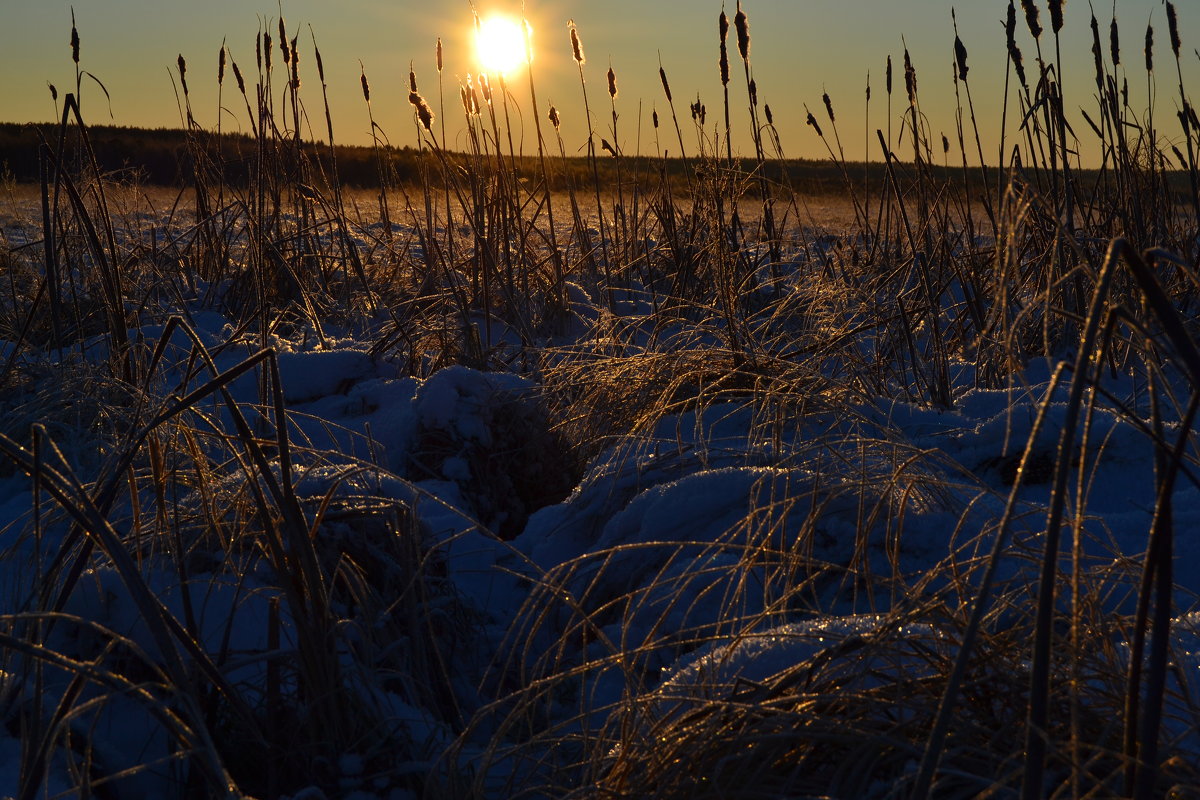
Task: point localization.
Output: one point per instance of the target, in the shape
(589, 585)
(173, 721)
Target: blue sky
(800, 48)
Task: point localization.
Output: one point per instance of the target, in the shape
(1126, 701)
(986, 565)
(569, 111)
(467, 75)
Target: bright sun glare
(500, 45)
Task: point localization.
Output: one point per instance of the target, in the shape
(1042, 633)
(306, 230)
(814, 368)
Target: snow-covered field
(522, 574)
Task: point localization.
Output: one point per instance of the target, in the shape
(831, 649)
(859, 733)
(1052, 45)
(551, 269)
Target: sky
(799, 50)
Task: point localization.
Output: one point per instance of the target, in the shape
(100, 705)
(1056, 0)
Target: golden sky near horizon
(799, 50)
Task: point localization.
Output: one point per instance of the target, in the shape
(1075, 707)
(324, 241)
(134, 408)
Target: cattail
(1031, 18)
(221, 66)
(742, 24)
(910, 79)
(1149, 48)
(888, 76)
(813, 122)
(366, 87)
(320, 64)
(412, 78)
(267, 49)
(54, 92)
(295, 65)
(424, 112)
(770, 116)
(283, 42)
(258, 50)
(1010, 26)
(182, 73)
(654, 118)
(1097, 51)
(1173, 28)
(554, 120)
(1018, 64)
(960, 58)
(945, 144)
(485, 86)
(237, 74)
(1056, 14)
(1191, 112)
(1114, 42)
(612, 83)
(576, 46)
(828, 106)
(74, 39)
(753, 92)
(473, 103)
(723, 26)
(439, 54)
(662, 75)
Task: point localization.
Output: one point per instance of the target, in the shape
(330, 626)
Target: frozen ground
(647, 553)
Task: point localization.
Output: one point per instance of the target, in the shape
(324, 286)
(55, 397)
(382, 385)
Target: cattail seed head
(1056, 14)
(770, 116)
(258, 50)
(295, 65)
(828, 106)
(53, 92)
(267, 49)
(910, 79)
(1097, 51)
(612, 83)
(945, 144)
(1114, 42)
(1018, 62)
(753, 92)
(439, 54)
(554, 119)
(221, 66)
(960, 58)
(1149, 48)
(723, 27)
(182, 72)
(1031, 18)
(576, 45)
(1173, 29)
(283, 42)
(1010, 26)
(812, 121)
(742, 25)
(662, 75)
(237, 74)
(412, 78)
(366, 87)
(888, 75)
(473, 96)
(74, 39)
(654, 117)
(485, 85)
(424, 112)
(320, 64)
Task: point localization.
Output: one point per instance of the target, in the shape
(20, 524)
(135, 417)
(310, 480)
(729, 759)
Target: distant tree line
(166, 157)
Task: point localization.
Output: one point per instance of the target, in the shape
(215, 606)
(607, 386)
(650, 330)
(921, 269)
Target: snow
(655, 544)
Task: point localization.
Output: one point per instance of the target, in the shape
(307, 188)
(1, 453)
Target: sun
(500, 45)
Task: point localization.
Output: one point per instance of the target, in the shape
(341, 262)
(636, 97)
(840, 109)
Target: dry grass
(716, 333)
